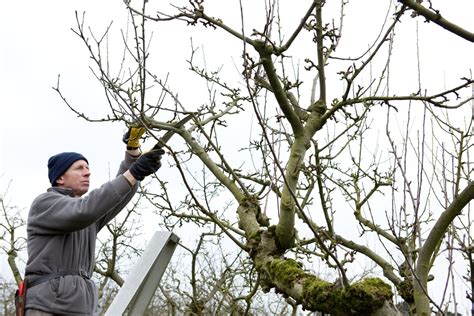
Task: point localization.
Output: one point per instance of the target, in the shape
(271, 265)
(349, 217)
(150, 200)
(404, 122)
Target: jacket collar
(63, 191)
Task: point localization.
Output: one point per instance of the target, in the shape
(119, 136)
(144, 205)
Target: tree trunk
(369, 296)
(420, 286)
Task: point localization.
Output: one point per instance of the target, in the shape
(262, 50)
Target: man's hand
(132, 137)
(146, 164)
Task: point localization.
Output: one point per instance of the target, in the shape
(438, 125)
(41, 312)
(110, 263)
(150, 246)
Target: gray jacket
(61, 232)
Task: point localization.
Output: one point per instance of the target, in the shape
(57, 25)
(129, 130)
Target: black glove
(146, 164)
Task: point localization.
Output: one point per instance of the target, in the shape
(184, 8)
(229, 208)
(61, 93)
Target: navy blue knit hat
(58, 164)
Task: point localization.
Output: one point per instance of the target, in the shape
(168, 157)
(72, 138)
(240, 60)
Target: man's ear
(60, 180)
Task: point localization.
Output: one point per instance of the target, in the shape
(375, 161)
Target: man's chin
(81, 192)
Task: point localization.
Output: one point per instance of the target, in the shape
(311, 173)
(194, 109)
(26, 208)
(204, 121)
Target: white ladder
(140, 285)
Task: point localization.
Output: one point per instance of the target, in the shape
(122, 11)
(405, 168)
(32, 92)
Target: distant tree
(307, 158)
(7, 297)
(12, 233)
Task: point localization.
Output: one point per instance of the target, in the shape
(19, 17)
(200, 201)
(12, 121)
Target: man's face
(76, 178)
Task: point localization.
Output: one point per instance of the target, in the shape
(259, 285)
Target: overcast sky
(37, 45)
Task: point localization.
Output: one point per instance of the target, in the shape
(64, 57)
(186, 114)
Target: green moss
(250, 201)
(366, 295)
(317, 293)
(405, 289)
(286, 271)
(256, 236)
(320, 295)
(360, 298)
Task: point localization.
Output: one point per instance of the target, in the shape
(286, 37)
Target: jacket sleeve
(53, 212)
(124, 166)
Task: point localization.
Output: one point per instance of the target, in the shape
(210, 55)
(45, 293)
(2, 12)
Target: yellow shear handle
(132, 137)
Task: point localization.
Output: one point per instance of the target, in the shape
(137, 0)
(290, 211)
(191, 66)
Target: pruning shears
(166, 137)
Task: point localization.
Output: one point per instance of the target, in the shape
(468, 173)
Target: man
(63, 225)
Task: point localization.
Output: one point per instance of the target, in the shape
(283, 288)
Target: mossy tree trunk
(370, 296)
